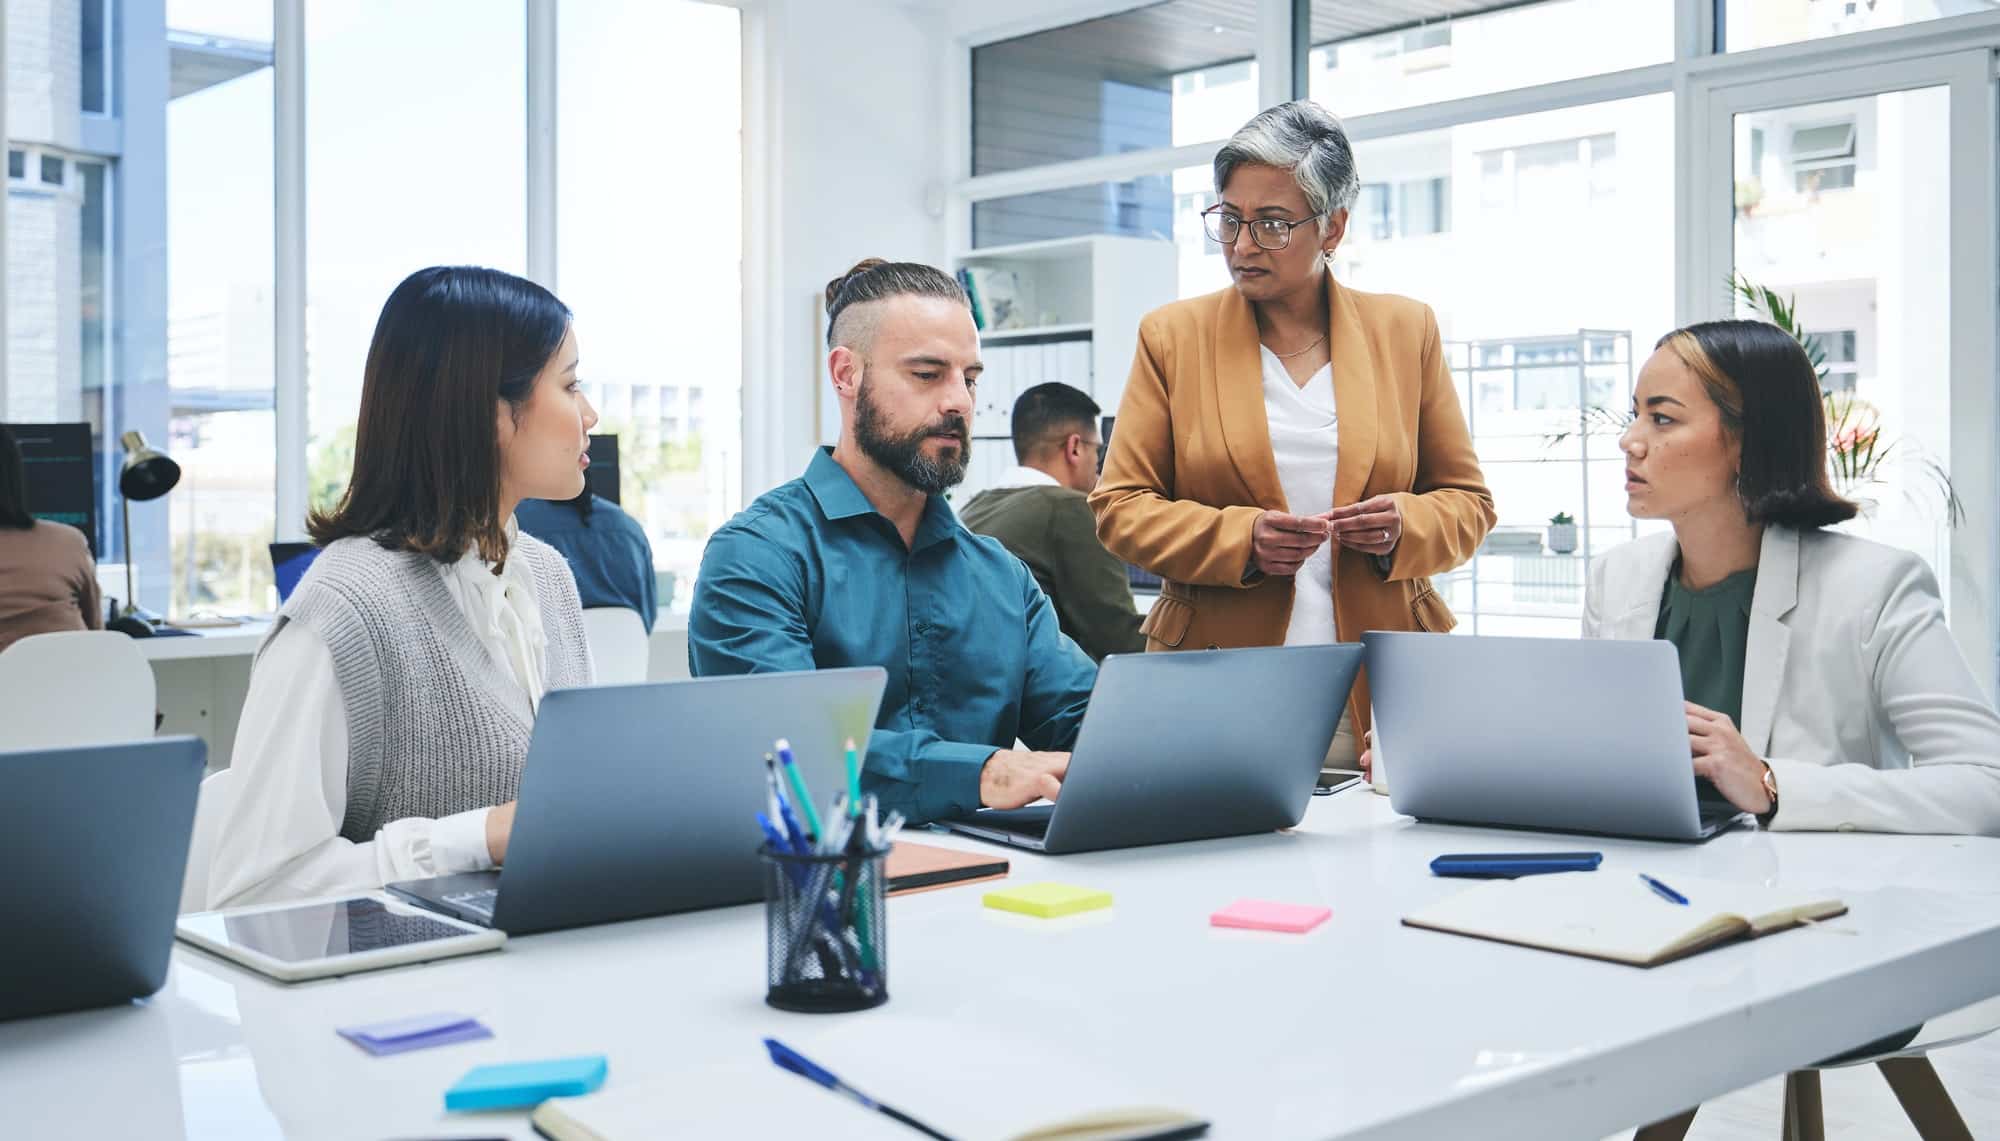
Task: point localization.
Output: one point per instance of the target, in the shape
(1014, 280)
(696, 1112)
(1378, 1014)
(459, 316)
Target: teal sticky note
(523, 1085)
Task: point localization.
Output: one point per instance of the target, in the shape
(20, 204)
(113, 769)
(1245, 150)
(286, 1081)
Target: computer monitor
(288, 565)
(61, 475)
(602, 476)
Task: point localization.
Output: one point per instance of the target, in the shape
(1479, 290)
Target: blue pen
(790, 1059)
(772, 836)
(1663, 891)
(799, 843)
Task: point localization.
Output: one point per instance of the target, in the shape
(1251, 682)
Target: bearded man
(861, 562)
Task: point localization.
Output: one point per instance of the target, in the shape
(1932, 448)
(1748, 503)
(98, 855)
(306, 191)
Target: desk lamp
(148, 474)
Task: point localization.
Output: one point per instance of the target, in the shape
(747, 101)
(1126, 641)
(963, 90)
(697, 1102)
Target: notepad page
(1613, 915)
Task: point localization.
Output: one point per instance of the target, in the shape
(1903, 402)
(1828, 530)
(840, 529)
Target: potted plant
(1562, 533)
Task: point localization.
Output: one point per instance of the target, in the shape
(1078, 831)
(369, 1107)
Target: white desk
(201, 681)
(1364, 1028)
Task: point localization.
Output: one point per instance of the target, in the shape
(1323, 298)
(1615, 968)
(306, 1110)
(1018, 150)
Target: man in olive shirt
(1039, 510)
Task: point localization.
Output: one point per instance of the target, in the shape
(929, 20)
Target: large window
(1160, 75)
(1745, 24)
(1375, 55)
(220, 317)
(1844, 209)
(651, 241)
(416, 137)
(1557, 260)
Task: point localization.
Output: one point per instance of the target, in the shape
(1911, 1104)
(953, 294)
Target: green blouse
(1711, 629)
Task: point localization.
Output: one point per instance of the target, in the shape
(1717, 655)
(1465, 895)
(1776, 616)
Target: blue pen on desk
(790, 1059)
(1663, 891)
(799, 792)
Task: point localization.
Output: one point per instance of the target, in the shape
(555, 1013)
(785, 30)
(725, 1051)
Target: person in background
(390, 707)
(606, 549)
(48, 581)
(1290, 455)
(1824, 692)
(861, 562)
(1041, 511)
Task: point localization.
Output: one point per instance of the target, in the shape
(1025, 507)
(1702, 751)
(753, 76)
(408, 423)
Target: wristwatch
(1770, 790)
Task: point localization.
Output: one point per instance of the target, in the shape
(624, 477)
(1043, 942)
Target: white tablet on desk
(294, 941)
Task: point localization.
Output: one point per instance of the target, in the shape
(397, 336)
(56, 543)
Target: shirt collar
(1021, 475)
(839, 497)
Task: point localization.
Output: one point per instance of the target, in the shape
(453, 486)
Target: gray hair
(1304, 138)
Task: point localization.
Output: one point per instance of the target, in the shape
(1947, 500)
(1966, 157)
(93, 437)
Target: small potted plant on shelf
(1562, 533)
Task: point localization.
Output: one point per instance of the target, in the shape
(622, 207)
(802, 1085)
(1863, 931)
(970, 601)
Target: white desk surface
(208, 642)
(1363, 1028)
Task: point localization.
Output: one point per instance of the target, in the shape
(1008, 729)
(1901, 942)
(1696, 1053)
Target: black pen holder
(826, 946)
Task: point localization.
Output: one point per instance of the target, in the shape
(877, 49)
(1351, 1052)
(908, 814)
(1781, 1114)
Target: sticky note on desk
(522, 1085)
(1264, 915)
(1047, 900)
(416, 1033)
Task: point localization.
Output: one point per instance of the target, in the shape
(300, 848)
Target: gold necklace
(1301, 352)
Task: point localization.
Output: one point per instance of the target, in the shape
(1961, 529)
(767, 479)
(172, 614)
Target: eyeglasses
(1268, 233)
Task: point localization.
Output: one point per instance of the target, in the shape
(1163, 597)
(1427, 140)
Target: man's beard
(904, 455)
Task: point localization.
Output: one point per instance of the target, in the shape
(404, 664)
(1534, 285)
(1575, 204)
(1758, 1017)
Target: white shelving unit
(1082, 299)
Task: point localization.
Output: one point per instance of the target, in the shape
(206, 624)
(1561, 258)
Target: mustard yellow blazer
(1190, 468)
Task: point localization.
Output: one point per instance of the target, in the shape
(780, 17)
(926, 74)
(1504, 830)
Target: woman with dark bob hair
(390, 707)
(1823, 690)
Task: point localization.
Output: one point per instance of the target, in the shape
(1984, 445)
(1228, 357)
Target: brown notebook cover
(921, 867)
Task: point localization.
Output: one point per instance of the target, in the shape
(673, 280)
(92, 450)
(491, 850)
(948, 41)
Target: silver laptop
(95, 841)
(642, 799)
(1188, 747)
(1561, 734)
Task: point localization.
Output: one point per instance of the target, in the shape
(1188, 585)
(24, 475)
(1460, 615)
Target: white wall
(855, 134)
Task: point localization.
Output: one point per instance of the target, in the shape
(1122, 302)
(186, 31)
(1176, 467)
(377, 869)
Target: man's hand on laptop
(499, 826)
(1012, 779)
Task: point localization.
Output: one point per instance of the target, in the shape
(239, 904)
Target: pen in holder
(826, 950)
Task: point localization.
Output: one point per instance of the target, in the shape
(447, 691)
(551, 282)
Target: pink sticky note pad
(1264, 915)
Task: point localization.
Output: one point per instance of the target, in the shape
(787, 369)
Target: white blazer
(1853, 690)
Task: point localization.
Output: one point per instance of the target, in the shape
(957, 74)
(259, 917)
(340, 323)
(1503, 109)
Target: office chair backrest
(617, 640)
(81, 687)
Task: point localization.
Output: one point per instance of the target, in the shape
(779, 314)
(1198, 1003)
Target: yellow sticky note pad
(1047, 900)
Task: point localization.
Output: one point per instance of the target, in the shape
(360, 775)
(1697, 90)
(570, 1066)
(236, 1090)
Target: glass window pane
(1548, 280)
(1364, 58)
(52, 170)
(416, 128)
(1167, 207)
(677, 414)
(1857, 233)
(17, 164)
(220, 330)
(1161, 75)
(91, 61)
(1746, 24)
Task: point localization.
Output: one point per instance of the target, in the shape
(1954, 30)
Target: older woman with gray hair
(1289, 455)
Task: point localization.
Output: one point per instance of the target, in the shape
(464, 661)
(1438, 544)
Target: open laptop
(1562, 734)
(641, 800)
(95, 840)
(1188, 747)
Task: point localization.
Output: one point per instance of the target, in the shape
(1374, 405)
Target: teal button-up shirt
(811, 576)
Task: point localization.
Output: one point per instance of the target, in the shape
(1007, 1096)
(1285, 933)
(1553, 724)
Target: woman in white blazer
(1824, 691)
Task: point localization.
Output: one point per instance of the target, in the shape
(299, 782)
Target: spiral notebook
(1613, 915)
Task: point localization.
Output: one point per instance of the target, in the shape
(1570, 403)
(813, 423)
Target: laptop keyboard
(1711, 807)
(479, 902)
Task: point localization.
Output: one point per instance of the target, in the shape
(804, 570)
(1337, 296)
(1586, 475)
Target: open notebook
(1613, 915)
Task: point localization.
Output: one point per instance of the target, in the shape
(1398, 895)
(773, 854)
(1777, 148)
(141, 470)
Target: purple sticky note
(415, 1033)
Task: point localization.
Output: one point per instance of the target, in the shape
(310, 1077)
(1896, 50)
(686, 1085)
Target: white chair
(211, 808)
(1907, 1068)
(81, 687)
(617, 640)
